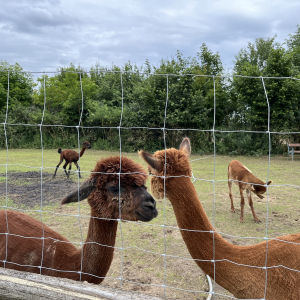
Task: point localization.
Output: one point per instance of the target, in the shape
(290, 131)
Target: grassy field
(143, 265)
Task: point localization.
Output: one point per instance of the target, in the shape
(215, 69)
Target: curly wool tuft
(177, 162)
(108, 169)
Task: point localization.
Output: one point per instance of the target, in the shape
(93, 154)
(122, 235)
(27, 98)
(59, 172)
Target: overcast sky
(42, 35)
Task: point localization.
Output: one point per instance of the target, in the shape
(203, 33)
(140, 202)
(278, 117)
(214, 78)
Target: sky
(42, 35)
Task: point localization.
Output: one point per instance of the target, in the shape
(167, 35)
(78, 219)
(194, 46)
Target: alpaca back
(36, 239)
(237, 171)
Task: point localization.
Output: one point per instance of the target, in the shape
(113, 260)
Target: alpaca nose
(150, 204)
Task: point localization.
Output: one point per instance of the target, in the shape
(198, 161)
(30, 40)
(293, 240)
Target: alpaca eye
(114, 190)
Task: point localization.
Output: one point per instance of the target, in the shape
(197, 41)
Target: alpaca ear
(185, 146)
(83, 193)
(151, 161)
(269, 182)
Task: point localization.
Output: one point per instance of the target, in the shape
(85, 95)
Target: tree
(293, 44)
(265, 58)
(65, 92)
(20, 84)
(17, 87)
(187, 100)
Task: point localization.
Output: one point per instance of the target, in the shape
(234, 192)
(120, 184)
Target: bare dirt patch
(28, 188)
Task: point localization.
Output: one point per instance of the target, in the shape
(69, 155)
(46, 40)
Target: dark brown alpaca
(71, 156)
(244, 178)
(239, 269)
(21, 235)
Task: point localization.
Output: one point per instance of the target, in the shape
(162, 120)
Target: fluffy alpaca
(71, 156)
(239, 269)
(22, 247)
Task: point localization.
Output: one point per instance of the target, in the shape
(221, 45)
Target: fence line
(164, 226)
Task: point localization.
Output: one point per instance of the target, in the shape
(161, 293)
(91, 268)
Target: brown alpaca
(244, 178)
(71, 156)
(21, 240)
(239, 269)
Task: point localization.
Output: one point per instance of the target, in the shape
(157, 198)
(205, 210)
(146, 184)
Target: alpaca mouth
(146, 218)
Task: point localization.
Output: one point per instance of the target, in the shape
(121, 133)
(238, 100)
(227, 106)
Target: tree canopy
(180, 96)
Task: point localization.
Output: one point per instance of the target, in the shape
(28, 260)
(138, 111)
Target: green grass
(23, 160)
(147, 266)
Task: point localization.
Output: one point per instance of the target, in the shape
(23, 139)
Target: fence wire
(164, 226)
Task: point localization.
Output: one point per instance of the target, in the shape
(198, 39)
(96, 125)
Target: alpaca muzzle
(258, 195)
(147, 210)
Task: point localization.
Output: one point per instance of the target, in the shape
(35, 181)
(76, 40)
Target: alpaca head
(86, 144)
(169, 162)
(107, 189)
(261, 189)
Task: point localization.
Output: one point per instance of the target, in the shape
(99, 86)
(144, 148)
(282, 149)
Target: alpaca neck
(209, 245)
(82, 151)
(96, 258)
(253, 179)
(190, 215)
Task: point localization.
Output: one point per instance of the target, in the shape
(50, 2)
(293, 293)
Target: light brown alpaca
(239, 269)
(245, 180)
(21, 244)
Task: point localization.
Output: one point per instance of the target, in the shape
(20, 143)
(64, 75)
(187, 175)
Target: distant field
(143, 243)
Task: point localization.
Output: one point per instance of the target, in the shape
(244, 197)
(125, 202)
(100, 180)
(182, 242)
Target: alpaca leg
(65, 165)
(242, 205)
(70, 166)
(76, 164)
(57, 168)
(230, 195)
(257, 220)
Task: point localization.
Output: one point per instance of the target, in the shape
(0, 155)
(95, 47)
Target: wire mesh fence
(150, 257)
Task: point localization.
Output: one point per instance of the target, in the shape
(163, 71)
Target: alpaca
(23, 248)
(71, 156)
(244, 178)
(268, 270)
